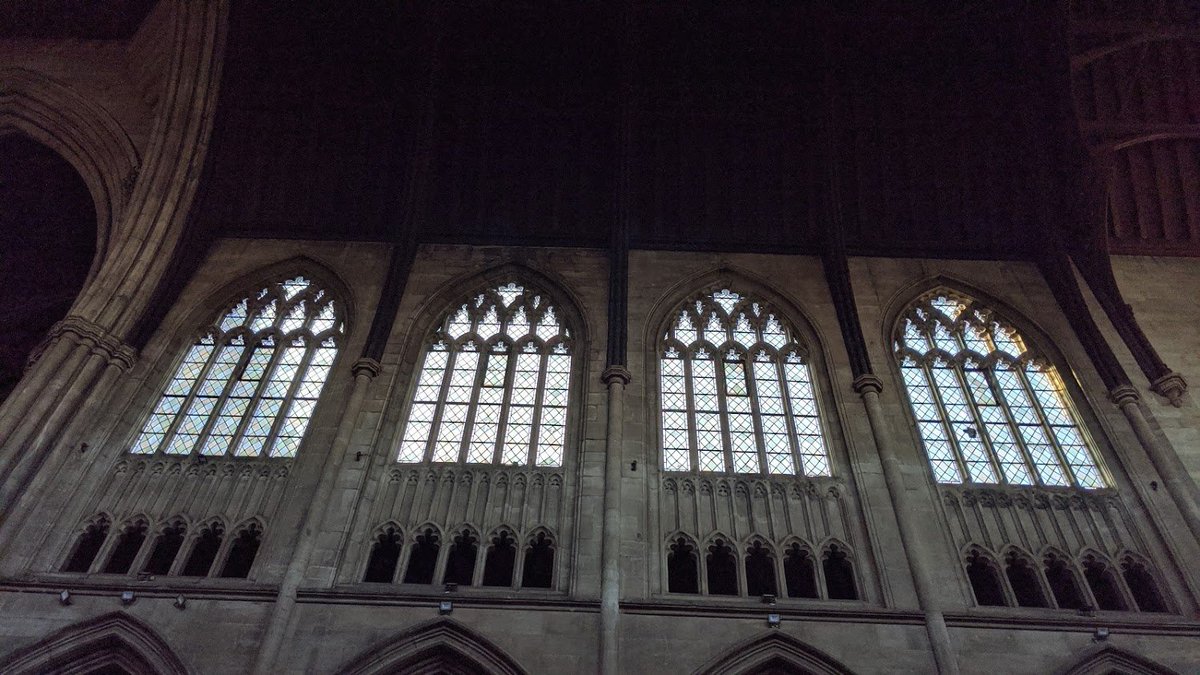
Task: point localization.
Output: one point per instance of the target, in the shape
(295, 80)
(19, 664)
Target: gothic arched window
(736, 391)
(989, 407)
(248, 385)
(493, 385)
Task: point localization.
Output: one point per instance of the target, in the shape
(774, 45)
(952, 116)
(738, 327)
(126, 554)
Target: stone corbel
(366, 366)
(1172, 386)
(83, 331)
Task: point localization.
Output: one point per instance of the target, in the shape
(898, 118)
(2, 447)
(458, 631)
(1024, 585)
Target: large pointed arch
(777, 651)
(1105, 659)
(988, 396)
(111, 640)
(438, 646)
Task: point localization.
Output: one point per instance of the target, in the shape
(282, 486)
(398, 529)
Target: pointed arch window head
(248, 386)
(494, 384)
(988, 406)
(736, 391)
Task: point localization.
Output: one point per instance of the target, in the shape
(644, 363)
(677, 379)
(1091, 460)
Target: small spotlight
(64, 598)
(768, 598)
(451, 587)
(127, 597)
(773, 620)
(180, 602)
(445, 607)
(1101, 634)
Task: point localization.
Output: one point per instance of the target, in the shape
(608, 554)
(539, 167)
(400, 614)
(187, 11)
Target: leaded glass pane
(1005, 413)
(218, 399)
(498, 403)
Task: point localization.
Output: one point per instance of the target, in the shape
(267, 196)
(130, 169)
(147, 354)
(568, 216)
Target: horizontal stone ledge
(160, 587)
(473, 598)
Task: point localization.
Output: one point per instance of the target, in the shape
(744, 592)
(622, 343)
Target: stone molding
(1123, 394)
(612, 373)
(89, 333)
(1172, 386)
(111, 640)
(413, 648)
(366, 366)
(867, 383)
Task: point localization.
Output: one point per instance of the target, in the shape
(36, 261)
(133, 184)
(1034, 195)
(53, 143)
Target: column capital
(867, 382)
(365, 366)
(1172, 386)
(1123, 394)
(616, 373)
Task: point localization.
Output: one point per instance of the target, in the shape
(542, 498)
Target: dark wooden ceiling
(718, 126)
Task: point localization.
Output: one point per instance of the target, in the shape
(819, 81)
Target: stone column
(29, 389)
(868, 387)
(364, 371)
(615, 378)
(1178, 483)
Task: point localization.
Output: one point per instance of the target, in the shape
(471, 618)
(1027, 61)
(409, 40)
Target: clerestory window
(248, 386)
(494, 384)
(989, 407)
(736, 391)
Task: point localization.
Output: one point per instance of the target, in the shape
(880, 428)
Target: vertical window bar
(994, 427)
(806, 422)
(304, 401)
(777, 449)
(271, 395)
(552, 436)
(519, 426)
(1033, 435)
(742, 443)
(237, 402)
(491, 325)
(189, 427)
(452, 424)
(485, 430)
(960, 420)
(1064, 432)
(710, 447)
(419, 430)
(182, 386)
(931, 422)
(674, 411)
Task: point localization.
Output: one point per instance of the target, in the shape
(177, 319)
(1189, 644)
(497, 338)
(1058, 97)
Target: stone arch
(438, 646)
(1104, 659)
(772, 650)
(82, 132)
(110, 640)
(428, 315)
(662, 311)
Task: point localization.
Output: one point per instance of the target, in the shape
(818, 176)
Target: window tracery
(248, 386)
(988, 406)
(494, 384)
(736, 392)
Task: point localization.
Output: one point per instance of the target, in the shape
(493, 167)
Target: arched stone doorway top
(772, 653)
(106, 642)
(439, 646)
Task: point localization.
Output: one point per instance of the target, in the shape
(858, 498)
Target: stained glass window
(493, 384)
(736, 391)
(989, 407)
(248, 386)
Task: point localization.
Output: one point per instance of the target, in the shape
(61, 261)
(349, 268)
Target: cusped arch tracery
(495, 378)
(990, 407)
(736, 390)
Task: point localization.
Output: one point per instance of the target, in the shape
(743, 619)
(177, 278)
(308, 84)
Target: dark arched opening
(760, 571)
(47, 243)
(801, 573)
(501, 560)
(1024, 580)
(985, 581)
(460, 564)
(682, 568)
(385, 555)
(839, 575)
(539, 563)
(423, 561)
(204, 551)
(1063, 584)
(722, 569)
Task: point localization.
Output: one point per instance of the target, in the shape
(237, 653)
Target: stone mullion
(756, 414)
(219, 345)
(510, 378)
(690, 398)
(252, 404)
(312, 345)
(1012, 424)
(1047, 428)
(481, 369)
(435, 424)
(723, 411)
(936, 391)
(536, 423)
(988, 449)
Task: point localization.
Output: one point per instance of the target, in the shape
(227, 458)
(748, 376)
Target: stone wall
(338, 618)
